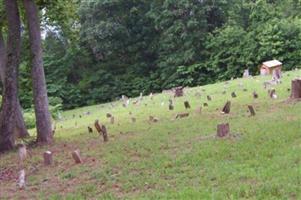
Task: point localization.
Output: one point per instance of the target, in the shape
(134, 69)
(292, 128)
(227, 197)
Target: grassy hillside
(173, 159)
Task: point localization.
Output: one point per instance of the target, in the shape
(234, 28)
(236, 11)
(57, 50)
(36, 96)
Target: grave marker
(47, 158)
(187, 105)
(233, 95)
(226, 109)
(76, 157)
(251, 109)
(296, 89)
(223, 130)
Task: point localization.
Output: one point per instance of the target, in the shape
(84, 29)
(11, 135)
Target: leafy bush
(30, 119)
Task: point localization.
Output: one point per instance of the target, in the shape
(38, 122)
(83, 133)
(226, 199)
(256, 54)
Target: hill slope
(173, 159)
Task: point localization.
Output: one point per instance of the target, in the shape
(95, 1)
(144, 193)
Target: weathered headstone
(296, 89)
(199, 110)
(133, 119)
(22, 154)
(187, 105)
(251, 109)
(227, 107)
(255, 95)
(233, 94)
(181, 115)
(178, 92)
(153, 119)
(76, 157)
(21, 179)
(102, 130)
(223, 130)
(47, 158)
(246, 73)
(112, 120)
(272, 93)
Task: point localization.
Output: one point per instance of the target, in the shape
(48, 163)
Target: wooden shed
(271, 67)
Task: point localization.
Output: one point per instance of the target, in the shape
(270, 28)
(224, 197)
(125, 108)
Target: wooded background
(98, 50)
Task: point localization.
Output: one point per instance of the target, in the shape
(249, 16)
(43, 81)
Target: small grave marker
(178, 92)
(47, 158)
(296, 89)
(255, 95)
(251, 109)
(223, 130)
(112, 120)
(181, 115)
(76, 157)
(21, 179)
(187, 105)
(101, 129)
(226, 109)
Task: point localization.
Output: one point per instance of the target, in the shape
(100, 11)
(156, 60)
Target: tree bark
(20, 128)
(43, 117)
(10, 89)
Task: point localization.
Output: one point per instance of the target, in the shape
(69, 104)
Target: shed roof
(272, 63)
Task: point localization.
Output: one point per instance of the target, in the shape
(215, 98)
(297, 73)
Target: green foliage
(29, 119)
(115, 47)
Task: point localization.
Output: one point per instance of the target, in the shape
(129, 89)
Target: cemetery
(165, 99)
(151, 150)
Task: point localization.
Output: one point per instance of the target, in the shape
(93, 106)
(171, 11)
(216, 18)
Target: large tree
(43, 117)
(10, 94)
(20, 128)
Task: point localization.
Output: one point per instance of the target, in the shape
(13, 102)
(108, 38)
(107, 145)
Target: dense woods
(98, 50)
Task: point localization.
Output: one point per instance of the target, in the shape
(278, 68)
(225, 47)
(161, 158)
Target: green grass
(173, 159)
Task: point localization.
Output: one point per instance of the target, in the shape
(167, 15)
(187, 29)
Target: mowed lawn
(172, 159)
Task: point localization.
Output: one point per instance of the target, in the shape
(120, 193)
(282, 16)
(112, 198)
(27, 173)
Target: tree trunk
(10, 89)
(43, 117)
(20, 128)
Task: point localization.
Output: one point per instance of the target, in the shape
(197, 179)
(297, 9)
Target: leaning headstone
(296, 89)
(47, 158)
(187, 105)
(233, 94)
(226, 108)
(181, 115)
(76, 157)
(251, 109)
(102, 130)
(223, 130)
(272, 94)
